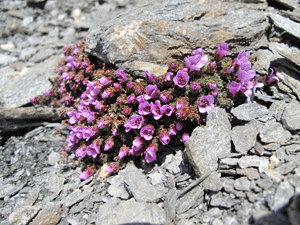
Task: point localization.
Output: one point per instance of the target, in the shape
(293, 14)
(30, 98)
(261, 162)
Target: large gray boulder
(154, 33)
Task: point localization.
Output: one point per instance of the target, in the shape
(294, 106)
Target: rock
(288, 25)
(282, 195)
(117, 188)
(273, 132)
(223, 200)
(277, 109)
(147, 39)
(244, 137)
(291, 4)
(48, 217)
(206, 145)
(34, 80)
(213, 182)
(254, 161)
(263, 59)
(192, 199)
(249, 111)
(294, 15)
(76, 196)
(242, 184)
(6, 59)
(292, 148)
(250, 173)
(293, 210)
(287, 167)
(274, 175)
(124, 212)
(263, 217)
(42, 55)
(291, 116)
(137, 184)
(23, 215)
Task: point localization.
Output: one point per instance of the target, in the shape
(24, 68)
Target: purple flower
(196, 62)
(131, 98)
(141, 98)
(205, 105)
(99, 104)
(272, 77)
(185, 137)
(150, 155)
(195, 87)
(144, 108)
(135, 122)
(124, 150)
(151, 91)
(109, 143)
(84, 175)
(212, 86)
(122, 76)
(168, 109)
(178, 126)
(246, 88)
(137, 144)
(163, 97)
(147, 132)
(182, 78)
(164, 138)
(215, 94)
(149, 77)
(93, 150)
(49, 93)
(222, 50)
(80, 152)
(76, 51)
(109, 169)
(198, 51)
(105, 81)
(234, 87)
(245, 76)
(156, 110)
(228, 70)
(172, 130)
(242, 60)
(84, 64)
(169, 78)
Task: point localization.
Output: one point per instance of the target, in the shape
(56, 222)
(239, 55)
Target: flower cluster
(114, 116)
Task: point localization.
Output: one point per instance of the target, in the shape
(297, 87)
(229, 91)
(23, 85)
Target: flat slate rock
(151, 34)
(206, 145)
(273, 132)
(291, 116)
(125, 212)
(249, 111)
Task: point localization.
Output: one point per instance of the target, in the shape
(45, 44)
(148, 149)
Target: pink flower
(151, 91)
(228, 70)
(124, 150)
(195, 62)
(182, 78)
(185, 137)
(147, 132)
(137, 144)
(205, 105)
(172, 130)
(272, 77)
(122, 76)
(195, 87)
(93, 150)
(222, 50)
(215, 94)
(112, 167)
(234, 87)
(105, 81)
(157, 110)
(169, 78)
(245, 76)
(242, 61)
(84, 64)
(178, 126)
(135, 122)
(246, 88)
(168, 109)
(84, 175)
(141, 98)
(131, 98)
(149, 77)
(80, 152)
(150, 155)
(212, 86)
(109, 143)
(198, 51)
(144, 108)
(164, 138)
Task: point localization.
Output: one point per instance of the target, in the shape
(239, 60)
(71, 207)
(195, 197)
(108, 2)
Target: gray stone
(123, 212)
(42, 55)
(206, 145)
(242, 184)
(274, 175)
(137, 184)
(23, 215)
(291, 116)
(293, 210)
(283, 194)
(223, 200)
(48, 217)
(26, 53)
(277, 109)
(293, 148)
(151, 34)
(76, 196)
(294, 15)
(244, 137)
(250, 173)
(287, 167)
(6, 59)
(264, 217)
(218, 116)
(288, 25)
(291, 4)
(192, 199)
(273, 132)
(34, 80)
(117, 188)
(263, 60)
(249, 111)
(213, 182)
(254, 161)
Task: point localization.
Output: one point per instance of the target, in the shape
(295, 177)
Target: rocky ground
(258, 182)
